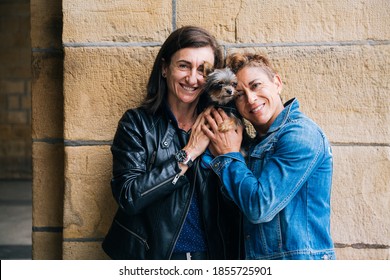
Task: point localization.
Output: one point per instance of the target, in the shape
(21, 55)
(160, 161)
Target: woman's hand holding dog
(198, 141)
(225, 141)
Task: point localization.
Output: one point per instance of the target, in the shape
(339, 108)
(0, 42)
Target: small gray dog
(221, 89)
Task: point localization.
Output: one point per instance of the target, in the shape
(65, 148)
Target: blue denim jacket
(284, 189)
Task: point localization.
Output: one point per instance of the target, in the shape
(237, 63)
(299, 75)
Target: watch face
(181, 156)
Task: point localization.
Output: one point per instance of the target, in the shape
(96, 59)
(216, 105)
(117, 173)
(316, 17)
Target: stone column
(47, 128)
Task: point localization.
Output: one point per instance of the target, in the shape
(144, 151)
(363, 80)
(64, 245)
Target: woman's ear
(278, 82)
(164, 67)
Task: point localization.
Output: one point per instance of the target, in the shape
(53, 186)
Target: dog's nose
(229, 91)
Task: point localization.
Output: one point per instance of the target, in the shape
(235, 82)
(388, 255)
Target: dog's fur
(221, 89)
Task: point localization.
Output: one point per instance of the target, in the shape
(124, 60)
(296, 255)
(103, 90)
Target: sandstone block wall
(333, 55)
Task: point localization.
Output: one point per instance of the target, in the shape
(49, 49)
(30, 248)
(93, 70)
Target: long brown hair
(185, 37)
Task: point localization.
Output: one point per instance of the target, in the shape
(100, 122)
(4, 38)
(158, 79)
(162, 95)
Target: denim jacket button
(248, 236)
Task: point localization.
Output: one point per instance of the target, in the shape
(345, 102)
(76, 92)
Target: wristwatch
(183, 157)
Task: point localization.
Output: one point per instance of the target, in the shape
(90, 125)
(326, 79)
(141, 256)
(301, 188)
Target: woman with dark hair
(169, 206)
(187, 37)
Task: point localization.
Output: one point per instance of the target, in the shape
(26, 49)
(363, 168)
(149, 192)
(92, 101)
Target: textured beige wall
(333, 55)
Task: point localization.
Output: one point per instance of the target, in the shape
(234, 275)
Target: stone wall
(15, 90)
(334, 56)
(47, 128)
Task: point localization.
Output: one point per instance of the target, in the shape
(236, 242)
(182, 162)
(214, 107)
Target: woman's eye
(256, 86)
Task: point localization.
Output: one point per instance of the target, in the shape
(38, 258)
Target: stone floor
(15, 220)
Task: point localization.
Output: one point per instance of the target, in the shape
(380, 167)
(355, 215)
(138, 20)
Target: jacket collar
(169, 115)
(282, 118)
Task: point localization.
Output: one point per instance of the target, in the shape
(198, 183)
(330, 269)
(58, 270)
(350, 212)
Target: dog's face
(221, 85)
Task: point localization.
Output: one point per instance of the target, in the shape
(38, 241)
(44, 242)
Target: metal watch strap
(188, 161)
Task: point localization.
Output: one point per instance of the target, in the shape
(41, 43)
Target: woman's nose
(192, 77)
(251, 96)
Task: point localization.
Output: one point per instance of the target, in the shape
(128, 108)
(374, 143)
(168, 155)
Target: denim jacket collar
(280, 120)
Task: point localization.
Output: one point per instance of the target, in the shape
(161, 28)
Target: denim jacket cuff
(218, 163)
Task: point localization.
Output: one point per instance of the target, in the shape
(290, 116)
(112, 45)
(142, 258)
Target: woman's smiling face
(258, 98)
(184, 74)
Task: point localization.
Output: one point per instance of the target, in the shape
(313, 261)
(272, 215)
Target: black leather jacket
(152, 207)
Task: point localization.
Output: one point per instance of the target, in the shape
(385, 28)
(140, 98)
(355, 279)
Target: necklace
(187, 125)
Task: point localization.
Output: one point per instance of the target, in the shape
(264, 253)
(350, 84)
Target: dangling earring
(280, 96)
(164, 75)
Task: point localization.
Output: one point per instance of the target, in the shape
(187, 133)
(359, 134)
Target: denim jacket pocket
(264, 238)
(260, 155)
(265, 150)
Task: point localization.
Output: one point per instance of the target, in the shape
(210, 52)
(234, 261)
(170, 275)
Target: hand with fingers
(198, 141)
(222, 142)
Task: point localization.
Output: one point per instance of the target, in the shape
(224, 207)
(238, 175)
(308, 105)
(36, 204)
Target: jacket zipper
(152, 159)
(203, 219)
(162, 183)
(133, 233)
(187, 209)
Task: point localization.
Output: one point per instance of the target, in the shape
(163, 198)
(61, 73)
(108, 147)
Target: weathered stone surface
(219, 17)
(84, 251)
(253, 21)
(362, 254)
(48, 184)
(47, 246)
(313, 21)
(46, 24)
(47, 96)
(101, 84)
(116, 21)
(361, 196)
(89, 204)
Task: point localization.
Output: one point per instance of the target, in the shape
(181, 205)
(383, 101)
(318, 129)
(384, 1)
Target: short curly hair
(237, 61)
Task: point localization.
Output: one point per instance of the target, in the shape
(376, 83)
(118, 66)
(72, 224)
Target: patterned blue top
(191, 238)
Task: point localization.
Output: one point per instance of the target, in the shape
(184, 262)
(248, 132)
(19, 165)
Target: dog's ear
(207, 68)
